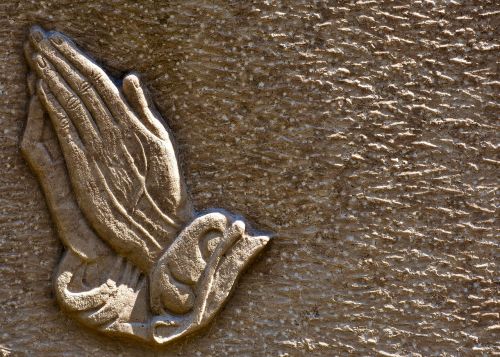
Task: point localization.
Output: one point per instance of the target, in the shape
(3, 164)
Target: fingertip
(36, 34)
(43, 92)
(239, 227)
(133, 80)
(36, 28)
(134, 91)
(56, 38)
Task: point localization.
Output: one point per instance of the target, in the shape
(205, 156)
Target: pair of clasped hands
(124, 186)
(119, 156)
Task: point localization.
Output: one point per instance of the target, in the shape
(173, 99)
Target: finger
(31, 147)
(95, 75)
(139, 98)
(28, 54)
(75, 80)
(69, 101)
(34, 124)
(31, 81)
(105, 314)
(66, 132)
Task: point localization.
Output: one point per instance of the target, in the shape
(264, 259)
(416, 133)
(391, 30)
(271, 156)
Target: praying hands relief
(138, 260)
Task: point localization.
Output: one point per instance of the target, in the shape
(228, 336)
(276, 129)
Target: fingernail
(56, 40)
(41, 62)
(36, 35)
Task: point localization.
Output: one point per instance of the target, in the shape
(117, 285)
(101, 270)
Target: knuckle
(64, 122)
(96, 75)
(72, 102)
(50, 75)
(85, 87)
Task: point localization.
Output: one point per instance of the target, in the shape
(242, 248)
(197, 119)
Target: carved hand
(121, 162)
(94, 301)
(122, 185)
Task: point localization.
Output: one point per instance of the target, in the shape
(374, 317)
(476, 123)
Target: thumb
(139, 98)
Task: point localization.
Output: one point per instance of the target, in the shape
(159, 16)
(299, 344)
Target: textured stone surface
(374, 125)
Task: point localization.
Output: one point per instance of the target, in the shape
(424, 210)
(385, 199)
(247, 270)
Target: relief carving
(138, 260)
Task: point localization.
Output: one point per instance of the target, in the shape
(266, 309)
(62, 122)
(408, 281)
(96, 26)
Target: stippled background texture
(363, 133)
